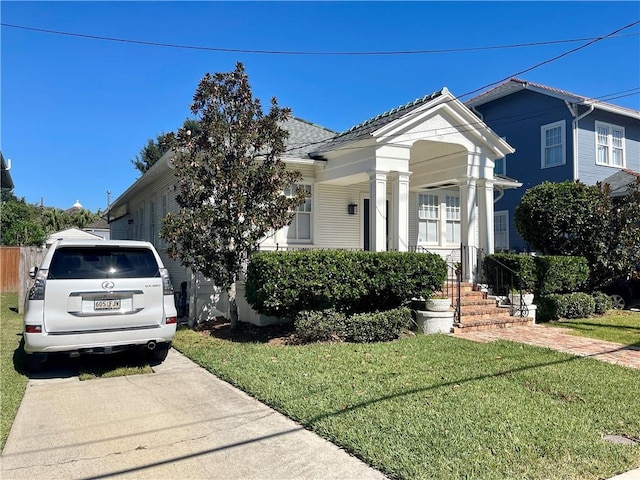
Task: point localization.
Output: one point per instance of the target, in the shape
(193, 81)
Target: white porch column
(400, 209)
(378, 211)
(468, 227)
(485, 214)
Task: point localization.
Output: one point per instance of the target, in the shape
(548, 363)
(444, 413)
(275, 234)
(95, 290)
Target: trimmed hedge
(560, 274)
(542, 275)
(320, 325)
(495, 275)
(331, 325)
(602, 302)
(567, 305)
(378, 326)
(281, 284)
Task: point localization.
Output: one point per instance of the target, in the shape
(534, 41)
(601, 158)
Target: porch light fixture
(352, 208)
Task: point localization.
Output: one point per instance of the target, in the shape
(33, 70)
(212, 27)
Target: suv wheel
(618, 302)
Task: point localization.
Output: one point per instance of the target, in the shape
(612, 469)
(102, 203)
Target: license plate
(106, 304)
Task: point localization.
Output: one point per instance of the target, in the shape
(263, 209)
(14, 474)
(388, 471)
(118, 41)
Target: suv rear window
(103, 262)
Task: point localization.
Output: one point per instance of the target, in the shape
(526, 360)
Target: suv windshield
(103, 262)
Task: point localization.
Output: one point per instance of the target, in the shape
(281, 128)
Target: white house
(420, 176)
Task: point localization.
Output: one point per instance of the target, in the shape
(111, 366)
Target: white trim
(563, 136)
(610, 127)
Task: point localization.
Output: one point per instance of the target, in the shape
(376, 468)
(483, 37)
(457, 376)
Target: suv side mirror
(33, 271)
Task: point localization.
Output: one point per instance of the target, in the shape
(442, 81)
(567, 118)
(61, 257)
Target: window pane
(617, 137)
(453, 232)
(304, 226)
(453, 207)
(291, 230)
(428, 232)
(499, 168)
(616, 157)
(428, 207)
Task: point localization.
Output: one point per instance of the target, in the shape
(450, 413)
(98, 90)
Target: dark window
(103, 262)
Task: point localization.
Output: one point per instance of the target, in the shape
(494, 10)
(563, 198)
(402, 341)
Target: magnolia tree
(231, 180)
(571, 218)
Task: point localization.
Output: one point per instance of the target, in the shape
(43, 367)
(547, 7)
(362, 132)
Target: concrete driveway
(180, 422)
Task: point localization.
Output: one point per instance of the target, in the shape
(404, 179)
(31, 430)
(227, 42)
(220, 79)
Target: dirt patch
(248, 333)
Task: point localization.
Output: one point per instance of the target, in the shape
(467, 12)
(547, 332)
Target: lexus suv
(99, 296)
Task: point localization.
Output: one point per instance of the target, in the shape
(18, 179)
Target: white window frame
(429, 214)
(305, 208)
(609, 144)
(505, 215)
(543, 145)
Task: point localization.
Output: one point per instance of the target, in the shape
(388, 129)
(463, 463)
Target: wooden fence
(15, 263)
(9, 269)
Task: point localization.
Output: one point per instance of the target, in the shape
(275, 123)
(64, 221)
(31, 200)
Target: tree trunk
(233, 306)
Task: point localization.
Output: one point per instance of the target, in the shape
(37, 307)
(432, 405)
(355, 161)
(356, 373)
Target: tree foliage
(231, 179)
(29, 224)
(154, 149)
(571, 218)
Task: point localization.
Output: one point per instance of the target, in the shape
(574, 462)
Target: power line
(315, 53)
(468, 126)
(553, 59)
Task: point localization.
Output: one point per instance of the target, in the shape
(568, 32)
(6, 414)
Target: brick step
(489, 324)
(471, 301)
(491, 309)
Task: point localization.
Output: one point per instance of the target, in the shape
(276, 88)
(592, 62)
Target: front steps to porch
(478, 312)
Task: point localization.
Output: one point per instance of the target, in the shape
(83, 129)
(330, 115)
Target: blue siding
(588, 171)
(519, 117)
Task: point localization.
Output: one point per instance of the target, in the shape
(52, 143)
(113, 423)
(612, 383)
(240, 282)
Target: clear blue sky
(75, 111)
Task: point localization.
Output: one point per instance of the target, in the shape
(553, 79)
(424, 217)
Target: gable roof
(71, 234)
(304, 137)
(514, 85)
(366, 128)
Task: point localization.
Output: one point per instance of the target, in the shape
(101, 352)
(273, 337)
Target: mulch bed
(246, 332)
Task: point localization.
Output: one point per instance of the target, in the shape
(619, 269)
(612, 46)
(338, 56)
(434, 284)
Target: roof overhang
(515, 85)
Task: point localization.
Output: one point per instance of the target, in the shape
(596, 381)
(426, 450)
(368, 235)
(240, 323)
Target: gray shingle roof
(621, 181)
(304, 137)
(366, 128)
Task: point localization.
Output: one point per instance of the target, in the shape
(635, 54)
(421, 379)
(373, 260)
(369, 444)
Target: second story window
(553, 145)
(609, 145)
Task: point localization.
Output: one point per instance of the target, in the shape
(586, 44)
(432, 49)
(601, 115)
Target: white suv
(99, 297)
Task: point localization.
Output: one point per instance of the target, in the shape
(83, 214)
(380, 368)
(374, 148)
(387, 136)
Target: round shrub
(378, 326)
(579, 305)
(551, 307)
(602, 302)
(320, 325)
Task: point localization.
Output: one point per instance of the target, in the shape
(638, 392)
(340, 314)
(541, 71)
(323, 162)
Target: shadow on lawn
(281, 334)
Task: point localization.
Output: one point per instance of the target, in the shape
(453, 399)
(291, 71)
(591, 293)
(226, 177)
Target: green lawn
(615, 326)
(440, 407)
(13, 382)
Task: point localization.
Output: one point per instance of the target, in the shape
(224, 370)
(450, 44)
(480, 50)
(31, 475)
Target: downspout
(500, 195)
(575, 135)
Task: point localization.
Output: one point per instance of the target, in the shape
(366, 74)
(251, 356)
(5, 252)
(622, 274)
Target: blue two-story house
(557, 136)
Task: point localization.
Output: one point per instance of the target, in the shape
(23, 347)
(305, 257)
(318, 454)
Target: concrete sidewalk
(180, 422)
